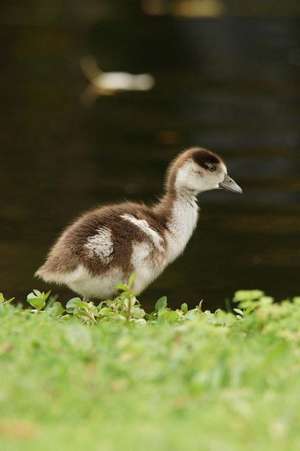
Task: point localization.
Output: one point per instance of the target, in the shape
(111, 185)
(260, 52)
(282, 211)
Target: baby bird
(104, 246)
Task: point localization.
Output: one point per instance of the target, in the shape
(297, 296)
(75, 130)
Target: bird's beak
(230, 185)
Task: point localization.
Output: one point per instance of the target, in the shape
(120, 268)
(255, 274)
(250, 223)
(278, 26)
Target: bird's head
(197, 170)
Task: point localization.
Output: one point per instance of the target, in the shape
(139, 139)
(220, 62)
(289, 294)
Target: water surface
(231, 85)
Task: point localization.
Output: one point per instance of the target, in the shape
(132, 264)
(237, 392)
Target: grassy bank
(112, 379)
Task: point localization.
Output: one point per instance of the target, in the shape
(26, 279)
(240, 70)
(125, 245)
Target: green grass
(172, 380)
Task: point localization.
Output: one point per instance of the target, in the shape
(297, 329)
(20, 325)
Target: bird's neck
(179, 212)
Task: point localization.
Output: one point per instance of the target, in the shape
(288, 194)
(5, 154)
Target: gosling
(104, 246)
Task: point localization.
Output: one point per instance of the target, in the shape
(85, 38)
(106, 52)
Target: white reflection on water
(184, 8)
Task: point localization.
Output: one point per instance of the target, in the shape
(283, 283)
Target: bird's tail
(90, 68)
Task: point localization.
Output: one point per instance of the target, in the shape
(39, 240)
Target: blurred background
(227, 77)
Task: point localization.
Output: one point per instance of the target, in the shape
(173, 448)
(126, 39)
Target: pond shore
(188, 380)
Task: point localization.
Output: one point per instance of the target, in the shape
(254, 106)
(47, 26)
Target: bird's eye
(211, 167)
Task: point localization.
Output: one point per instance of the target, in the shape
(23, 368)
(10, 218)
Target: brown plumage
(104, 246)
(69, 250)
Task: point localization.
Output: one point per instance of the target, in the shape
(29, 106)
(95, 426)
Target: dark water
(231, 85)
